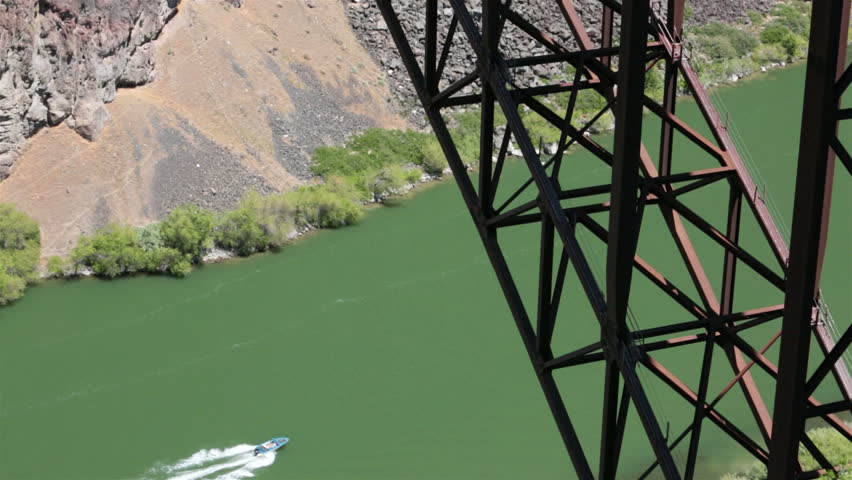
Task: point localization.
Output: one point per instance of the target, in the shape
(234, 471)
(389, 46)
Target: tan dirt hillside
(241, 98)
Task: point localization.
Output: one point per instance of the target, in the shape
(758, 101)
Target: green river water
(385, 350)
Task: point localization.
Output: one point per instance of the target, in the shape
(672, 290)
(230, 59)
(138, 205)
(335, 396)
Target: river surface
(385, 350)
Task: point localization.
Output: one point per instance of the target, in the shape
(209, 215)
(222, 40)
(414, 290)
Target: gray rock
(65, 50)
(37, 113)
(58, 109)
(139, 67)
(89, 118)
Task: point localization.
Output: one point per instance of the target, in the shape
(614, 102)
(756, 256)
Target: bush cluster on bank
(378, 162)
(368, 168)
(180, 241)
(20, 249)
(834, 445)
(720, 51)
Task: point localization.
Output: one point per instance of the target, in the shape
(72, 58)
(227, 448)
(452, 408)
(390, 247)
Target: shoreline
(218, 255)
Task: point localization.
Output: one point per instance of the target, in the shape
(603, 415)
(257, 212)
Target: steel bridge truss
(828, 78)
(650, 37)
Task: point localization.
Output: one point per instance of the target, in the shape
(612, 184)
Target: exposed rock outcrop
(242, 97)
(63, 59)
(727, 11)
(372, 31)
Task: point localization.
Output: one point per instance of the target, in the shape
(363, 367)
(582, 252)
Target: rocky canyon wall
(63, 60)
(370, 27)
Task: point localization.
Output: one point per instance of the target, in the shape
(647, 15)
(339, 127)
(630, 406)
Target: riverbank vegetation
(180, 241)
(723, 53)
(20, 249)
(835, 447)
(379, 164)
(368, 169)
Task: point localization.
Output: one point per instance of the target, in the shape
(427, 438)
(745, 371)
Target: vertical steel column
(624, 224)
(674, 23)
(623, 220)
(430, 60)
(826, 58)
(606, 32)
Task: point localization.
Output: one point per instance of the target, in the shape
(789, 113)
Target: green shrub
(56, 266)
(834, 445)
(413, 175)
(716, 48)
(803, 7)
(116, 250)
(714, 29)
(22, 262)
(17, 229)
(791, 45)
(385, 181)
(342, 161)
(188, 229)
(181, 268)
(792, 17)
(372, 150)
(168, 260)
(391, 146)
(540, 130)
(324, 207)
(465, 133)
(20, 249)
(715, 38)
(149, 237)
(742, 41)
(240, 231)
(774, 32)
(434, 161)
(755, 17)
(769, 53)
(275, 214)
(589, 103)
(654, 84)
(11, 287)
(110, 252)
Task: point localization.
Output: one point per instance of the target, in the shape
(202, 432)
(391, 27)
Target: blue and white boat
(271, 445)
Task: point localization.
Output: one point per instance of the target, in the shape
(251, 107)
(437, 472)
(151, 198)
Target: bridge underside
(709, 310)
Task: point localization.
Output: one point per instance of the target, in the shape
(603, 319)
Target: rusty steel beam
(814, 179)
(624, 223)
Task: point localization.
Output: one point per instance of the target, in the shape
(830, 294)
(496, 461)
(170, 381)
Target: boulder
(89, 118)
(37, 113)
(58, 109)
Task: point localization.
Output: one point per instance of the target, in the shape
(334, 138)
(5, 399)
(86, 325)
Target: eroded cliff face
(243, 93)
(63, 60)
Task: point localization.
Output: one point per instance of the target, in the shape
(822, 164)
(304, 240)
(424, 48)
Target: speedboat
(271, 445)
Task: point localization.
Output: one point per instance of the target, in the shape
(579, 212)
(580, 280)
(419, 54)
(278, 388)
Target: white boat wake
(231, 463)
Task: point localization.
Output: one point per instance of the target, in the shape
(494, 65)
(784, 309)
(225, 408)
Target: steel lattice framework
(828, 78)
(649, 36)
